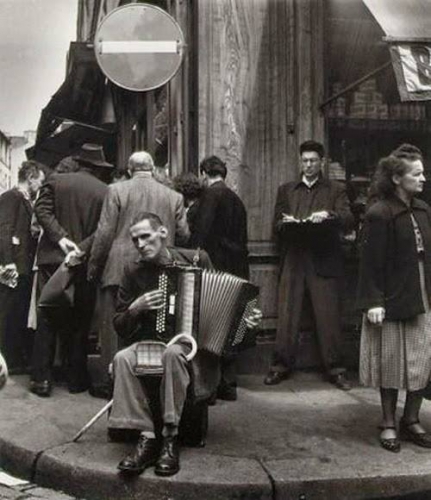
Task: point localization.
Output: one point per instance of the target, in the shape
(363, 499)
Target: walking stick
(93, 421)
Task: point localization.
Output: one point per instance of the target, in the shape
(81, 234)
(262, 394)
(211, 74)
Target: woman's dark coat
(389, 271)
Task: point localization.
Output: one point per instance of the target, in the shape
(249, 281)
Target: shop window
(369, 121)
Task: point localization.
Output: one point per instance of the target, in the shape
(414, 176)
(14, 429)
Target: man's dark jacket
(323, 240)
(16, 243)
(389, 270)
(68, 205)
(220, 228)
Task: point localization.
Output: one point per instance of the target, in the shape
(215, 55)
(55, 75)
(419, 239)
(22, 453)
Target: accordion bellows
(209, 305)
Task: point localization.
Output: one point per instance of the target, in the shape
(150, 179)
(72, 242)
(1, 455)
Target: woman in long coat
(395, 292)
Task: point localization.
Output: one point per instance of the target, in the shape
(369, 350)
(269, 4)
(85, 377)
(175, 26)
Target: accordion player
(212, 306)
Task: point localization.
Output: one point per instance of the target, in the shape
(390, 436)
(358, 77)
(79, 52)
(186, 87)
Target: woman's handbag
(149, 354)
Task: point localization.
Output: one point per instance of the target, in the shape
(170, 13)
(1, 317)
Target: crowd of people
(77, 251)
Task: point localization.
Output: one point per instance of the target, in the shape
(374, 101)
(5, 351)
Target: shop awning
(74, 113)
(80, 96)
(67, 142)
(408, 30)
(401, 19)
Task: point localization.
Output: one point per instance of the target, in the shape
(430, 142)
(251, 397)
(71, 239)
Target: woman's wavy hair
(189, 185)
(397, 163)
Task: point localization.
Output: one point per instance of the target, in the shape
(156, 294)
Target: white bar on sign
(139, 47)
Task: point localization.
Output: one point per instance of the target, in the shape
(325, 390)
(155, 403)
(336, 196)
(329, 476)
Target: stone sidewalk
(302, 439)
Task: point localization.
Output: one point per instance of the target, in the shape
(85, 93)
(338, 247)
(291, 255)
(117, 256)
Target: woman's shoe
(390, 443)
(418, 436)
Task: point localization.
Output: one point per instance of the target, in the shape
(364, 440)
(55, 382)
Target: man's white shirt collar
(308, 183)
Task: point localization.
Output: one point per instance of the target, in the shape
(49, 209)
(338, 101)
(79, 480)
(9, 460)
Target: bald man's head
(141, 161)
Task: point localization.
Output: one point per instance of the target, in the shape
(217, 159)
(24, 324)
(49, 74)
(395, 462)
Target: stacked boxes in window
(367, 102)
(337, 109)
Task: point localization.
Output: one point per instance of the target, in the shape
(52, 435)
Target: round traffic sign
(139, 46)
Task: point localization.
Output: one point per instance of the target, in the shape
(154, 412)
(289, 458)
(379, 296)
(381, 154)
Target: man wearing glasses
(309, 217)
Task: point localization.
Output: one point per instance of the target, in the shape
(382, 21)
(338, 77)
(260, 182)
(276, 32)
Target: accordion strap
(185, 338)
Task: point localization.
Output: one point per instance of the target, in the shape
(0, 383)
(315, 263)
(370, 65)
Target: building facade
(5, 163)
(258, 78)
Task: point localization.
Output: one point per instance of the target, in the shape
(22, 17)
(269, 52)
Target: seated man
(138, 299)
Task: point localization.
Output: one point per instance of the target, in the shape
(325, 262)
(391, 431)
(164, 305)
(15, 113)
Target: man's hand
(67, 246)
(255, 318)
(288, 219)
(376, 315)
(10, 271)
(318, 217)
(147, 302)
(74, 258)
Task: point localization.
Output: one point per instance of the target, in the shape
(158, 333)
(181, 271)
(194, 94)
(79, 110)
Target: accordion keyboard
(162, 312)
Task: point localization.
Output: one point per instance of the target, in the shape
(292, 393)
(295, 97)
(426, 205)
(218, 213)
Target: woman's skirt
(397, 355)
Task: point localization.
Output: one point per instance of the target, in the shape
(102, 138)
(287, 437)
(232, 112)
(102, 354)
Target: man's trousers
(15, 339)
(297, 277)
(73, 324)
(133, 408)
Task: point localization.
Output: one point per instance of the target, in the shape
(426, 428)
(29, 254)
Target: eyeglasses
(310, 160)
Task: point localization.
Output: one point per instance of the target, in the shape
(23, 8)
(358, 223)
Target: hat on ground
(92, 154)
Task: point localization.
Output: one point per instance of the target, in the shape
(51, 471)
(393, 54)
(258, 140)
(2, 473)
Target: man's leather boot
(168, 463)
(144, 455)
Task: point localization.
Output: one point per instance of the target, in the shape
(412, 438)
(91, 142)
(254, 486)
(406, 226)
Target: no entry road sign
(139, 46)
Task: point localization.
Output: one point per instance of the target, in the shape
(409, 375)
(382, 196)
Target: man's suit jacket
(220, 228)
(68, 205)
(16, 243)
(112, 246)
(322, 240)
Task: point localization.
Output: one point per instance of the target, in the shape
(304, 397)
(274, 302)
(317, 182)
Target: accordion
(209, 305)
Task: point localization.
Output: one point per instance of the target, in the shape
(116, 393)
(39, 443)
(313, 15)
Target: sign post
(139, 47)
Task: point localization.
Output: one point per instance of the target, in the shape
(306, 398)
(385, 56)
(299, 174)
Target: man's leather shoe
(168, 463)
(340, 381)
(274, 378)
(227, 392)
(77, 388)
(212, 400)
(42, 389)
(144, 455)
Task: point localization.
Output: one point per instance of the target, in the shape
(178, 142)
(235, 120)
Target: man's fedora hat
(92, 154)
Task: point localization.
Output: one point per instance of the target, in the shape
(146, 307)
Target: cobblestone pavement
(31, 492)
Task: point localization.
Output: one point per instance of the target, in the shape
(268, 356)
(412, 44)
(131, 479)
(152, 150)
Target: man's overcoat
(112, 246)
(68, 205)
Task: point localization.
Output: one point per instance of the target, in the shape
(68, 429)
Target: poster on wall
(412, 66)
